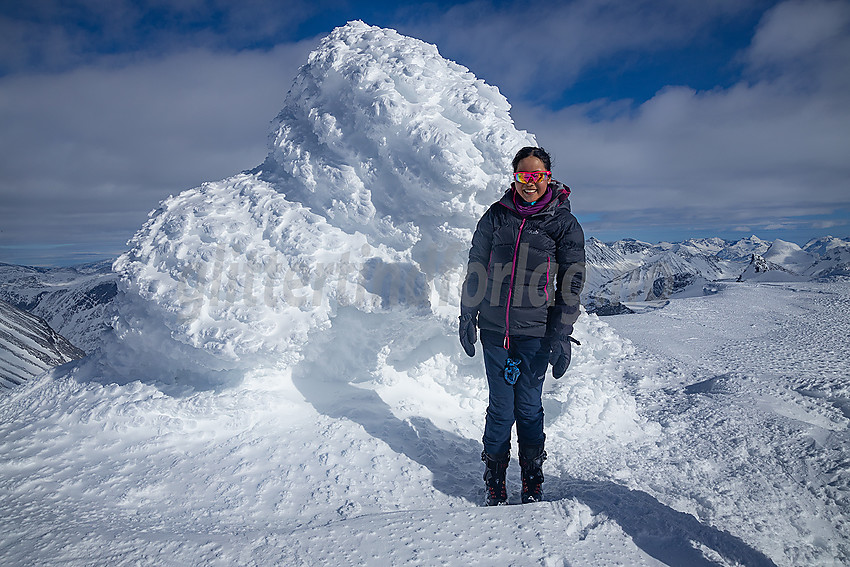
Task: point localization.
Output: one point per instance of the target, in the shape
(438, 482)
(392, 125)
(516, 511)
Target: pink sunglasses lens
(527, 177)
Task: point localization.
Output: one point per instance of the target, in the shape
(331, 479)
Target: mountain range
(630, 275)
(28, 346)
(624, 276)
(73, 300)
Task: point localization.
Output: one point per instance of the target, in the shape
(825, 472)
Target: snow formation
(381, 161)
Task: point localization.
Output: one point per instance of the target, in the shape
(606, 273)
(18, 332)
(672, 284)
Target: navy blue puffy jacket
(525, 274)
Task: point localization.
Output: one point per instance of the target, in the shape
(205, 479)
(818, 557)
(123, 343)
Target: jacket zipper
(507, 342)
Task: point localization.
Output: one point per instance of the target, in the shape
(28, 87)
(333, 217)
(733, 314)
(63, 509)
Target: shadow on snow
(668, 535)
(336, 362)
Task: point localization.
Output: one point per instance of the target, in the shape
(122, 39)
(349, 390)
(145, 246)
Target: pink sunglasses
(529, 177)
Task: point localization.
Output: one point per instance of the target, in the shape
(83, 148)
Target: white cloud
(762, 149)
(84, 154)
(90, 151)
(518, 46)
(799, 28)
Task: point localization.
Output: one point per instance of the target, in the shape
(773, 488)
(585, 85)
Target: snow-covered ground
(709, 432)
(752, 390)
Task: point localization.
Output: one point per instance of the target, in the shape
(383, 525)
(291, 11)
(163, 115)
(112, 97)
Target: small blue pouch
(512, 371)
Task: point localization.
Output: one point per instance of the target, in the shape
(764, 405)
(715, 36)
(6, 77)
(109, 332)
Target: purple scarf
(525, 209)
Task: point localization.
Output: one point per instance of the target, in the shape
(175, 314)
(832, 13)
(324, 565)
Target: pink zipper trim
(507, 342)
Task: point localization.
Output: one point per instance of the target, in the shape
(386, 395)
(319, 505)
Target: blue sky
(669, 119)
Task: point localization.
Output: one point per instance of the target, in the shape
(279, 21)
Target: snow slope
(763, 270)
(833, 257)
(790, 256)
(29, 347)
(608, 261)
(74, 301)
(753, 381)
(356, 458)
(283, 383)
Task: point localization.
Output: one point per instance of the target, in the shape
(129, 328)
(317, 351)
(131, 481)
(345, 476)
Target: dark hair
(530, 151)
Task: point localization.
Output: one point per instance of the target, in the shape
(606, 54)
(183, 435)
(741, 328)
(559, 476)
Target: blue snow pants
(521, 402)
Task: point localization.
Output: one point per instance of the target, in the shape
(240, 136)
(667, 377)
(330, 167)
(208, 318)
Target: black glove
(468, 331)
(561, 352)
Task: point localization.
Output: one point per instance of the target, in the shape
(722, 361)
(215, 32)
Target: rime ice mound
(380, 130)
(381, 161)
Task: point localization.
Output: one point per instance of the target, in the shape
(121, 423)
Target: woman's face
(531, 192)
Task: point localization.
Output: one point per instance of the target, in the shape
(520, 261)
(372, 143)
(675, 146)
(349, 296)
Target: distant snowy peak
(660, 277)
(700, 247)
(28, 346)
(821, 258)
(827, 246)
(833, 257)
(761, 269)
(607, 261)
(743, 249)
(629, 271)
(790, 256)
(74, 301)
(631, 248)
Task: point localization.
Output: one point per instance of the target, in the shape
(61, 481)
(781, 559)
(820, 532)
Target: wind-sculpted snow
(233, 271)
(381, 161)
(380, 133)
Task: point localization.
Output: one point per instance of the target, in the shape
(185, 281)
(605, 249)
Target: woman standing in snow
(524, 277)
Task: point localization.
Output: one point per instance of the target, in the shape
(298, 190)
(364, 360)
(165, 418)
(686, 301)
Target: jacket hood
(561, 199)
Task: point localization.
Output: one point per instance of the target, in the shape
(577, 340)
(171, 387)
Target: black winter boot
(531, 461)
(494, 478)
